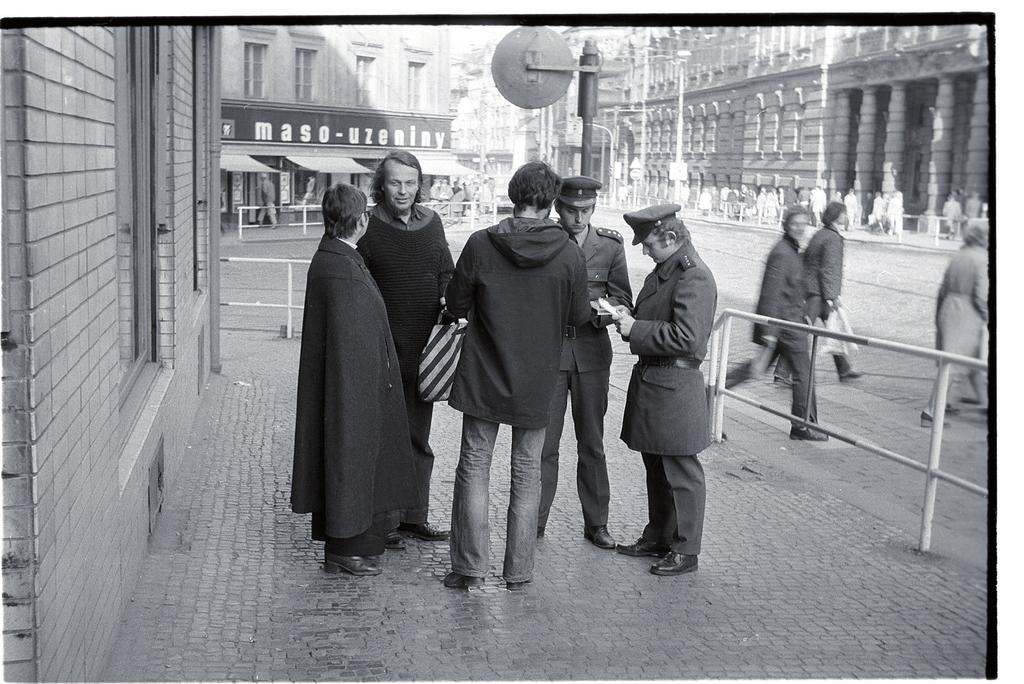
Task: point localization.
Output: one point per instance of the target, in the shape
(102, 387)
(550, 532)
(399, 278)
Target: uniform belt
(676, 361)
(572, 332)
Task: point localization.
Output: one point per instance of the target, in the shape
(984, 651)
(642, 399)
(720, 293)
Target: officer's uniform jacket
(587, 347)
(666, 404)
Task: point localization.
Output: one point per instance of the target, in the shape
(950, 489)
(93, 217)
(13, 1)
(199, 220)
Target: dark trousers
(420, 414)
(675, 502)
(369, 543)
(589, 393)
(792, 352)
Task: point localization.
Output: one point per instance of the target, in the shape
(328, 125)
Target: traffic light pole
(587, 107)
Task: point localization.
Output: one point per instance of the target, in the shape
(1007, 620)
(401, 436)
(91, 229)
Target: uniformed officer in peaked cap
(585, 362)
(666, 414)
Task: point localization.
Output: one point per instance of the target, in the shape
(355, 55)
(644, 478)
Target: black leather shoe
(643, 547)
(516, 586)
(394, 541)
(675, 564)
(454, 580)
(362, 566)
(849, 375)
(424, 531)
(599, 537)
(540, 532)
(807, 435)
(927, 420)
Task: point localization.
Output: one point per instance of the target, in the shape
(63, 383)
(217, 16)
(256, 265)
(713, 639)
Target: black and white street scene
(397, 350)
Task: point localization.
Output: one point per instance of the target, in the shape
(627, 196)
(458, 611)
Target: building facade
(872, 108)
(109, 167)
(312, 105)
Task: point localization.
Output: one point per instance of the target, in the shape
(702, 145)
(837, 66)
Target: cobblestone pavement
(794, 582)
(808, 567)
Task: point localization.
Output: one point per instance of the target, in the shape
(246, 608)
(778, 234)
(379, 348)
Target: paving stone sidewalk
(794, 581)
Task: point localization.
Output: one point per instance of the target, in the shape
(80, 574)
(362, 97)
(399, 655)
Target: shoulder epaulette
(609, 233)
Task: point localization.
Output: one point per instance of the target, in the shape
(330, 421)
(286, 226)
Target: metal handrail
(289, 306)
(718, 363)
(444, 208)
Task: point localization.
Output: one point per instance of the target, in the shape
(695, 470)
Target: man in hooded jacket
(520, 283)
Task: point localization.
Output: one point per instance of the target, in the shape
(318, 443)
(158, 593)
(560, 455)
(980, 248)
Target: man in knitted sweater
(407, 255)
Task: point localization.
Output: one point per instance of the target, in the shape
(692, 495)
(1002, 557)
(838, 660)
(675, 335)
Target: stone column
(892, 167)
(863, 181)
(840, 135)
(941, 162)
(977, 143)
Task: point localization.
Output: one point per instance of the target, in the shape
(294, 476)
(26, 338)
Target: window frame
(307, 69)
(366, 88)
(249, 81)
(415, 93)
(136, 86)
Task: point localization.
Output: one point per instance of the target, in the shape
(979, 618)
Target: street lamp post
(683, 55)
(611, 141)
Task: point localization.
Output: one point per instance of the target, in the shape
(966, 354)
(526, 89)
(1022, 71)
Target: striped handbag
(439, 359)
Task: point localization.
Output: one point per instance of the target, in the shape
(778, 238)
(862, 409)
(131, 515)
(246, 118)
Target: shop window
(255, 59)
(135, 169)
(304, 61)
(366, 68)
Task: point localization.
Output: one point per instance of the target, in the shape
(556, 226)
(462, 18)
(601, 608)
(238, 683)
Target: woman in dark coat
(353, 464)
(823, 275)
(666, 415)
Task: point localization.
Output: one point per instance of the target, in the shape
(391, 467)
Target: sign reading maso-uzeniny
(345, 129)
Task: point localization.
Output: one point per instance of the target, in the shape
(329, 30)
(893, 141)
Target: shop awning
(330, 164)
(445, 167)
(242, 162)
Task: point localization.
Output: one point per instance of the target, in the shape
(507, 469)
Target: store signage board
(247, 123)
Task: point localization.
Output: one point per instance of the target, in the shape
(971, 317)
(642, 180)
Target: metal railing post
(288, 334)
(716, 339)
(723, 365)
(810, 376)
(240, 209)
(934, 451)
(304, 208)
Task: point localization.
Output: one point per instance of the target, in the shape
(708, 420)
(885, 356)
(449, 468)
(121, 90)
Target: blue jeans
(470, 540)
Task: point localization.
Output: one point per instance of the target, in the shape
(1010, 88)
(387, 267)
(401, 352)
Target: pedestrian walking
(267, 198)
(666, 413)
(961, 313)
(352, 465)
(953, 215)
(762, 205)
(877, 222)
(823, 279)
(704, 202)
(818, 201)
(520, 283)
(852, 210)
(407, 254)
(782, 296)
(894, 215)
(585, 363)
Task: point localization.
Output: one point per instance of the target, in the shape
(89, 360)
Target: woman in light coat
(961, 312)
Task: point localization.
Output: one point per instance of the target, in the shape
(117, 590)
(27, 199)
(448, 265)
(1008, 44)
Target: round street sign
(636, 174)
(532, 45)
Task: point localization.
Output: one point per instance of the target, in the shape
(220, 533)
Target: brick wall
(75, 462)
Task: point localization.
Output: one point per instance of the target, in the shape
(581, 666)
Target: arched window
(777, 130)
(700, 135)
(713, 134)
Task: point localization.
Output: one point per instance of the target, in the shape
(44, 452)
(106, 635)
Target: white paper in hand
(608, 308)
